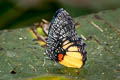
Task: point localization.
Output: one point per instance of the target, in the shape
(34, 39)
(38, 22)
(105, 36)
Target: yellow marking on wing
(75, 55)
(73, 48)
(65, 63)
(65, 42)
(67, 45)
(70, 60)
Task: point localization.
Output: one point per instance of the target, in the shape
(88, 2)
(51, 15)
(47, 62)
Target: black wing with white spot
(61, 28)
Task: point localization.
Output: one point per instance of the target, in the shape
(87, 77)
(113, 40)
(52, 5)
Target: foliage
(22, 58)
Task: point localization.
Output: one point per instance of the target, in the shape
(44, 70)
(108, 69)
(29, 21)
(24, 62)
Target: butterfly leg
(44, 62)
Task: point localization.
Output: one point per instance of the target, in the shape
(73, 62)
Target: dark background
(23, 13)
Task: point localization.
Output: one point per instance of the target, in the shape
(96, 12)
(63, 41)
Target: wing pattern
(62, 28)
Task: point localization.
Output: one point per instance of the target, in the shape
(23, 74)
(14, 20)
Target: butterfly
(63, 44)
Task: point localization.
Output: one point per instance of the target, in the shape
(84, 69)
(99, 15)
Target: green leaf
(22, 58)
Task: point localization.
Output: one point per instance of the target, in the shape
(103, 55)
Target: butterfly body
(64, 45)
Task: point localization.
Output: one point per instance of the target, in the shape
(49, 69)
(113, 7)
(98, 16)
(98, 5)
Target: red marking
(60, 56)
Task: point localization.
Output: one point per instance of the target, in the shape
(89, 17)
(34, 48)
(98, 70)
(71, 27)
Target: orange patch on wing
(60, 56)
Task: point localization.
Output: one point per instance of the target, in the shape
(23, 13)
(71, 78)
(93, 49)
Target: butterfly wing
(62, 28)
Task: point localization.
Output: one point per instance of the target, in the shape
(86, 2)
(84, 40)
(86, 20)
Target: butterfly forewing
(62, 28)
